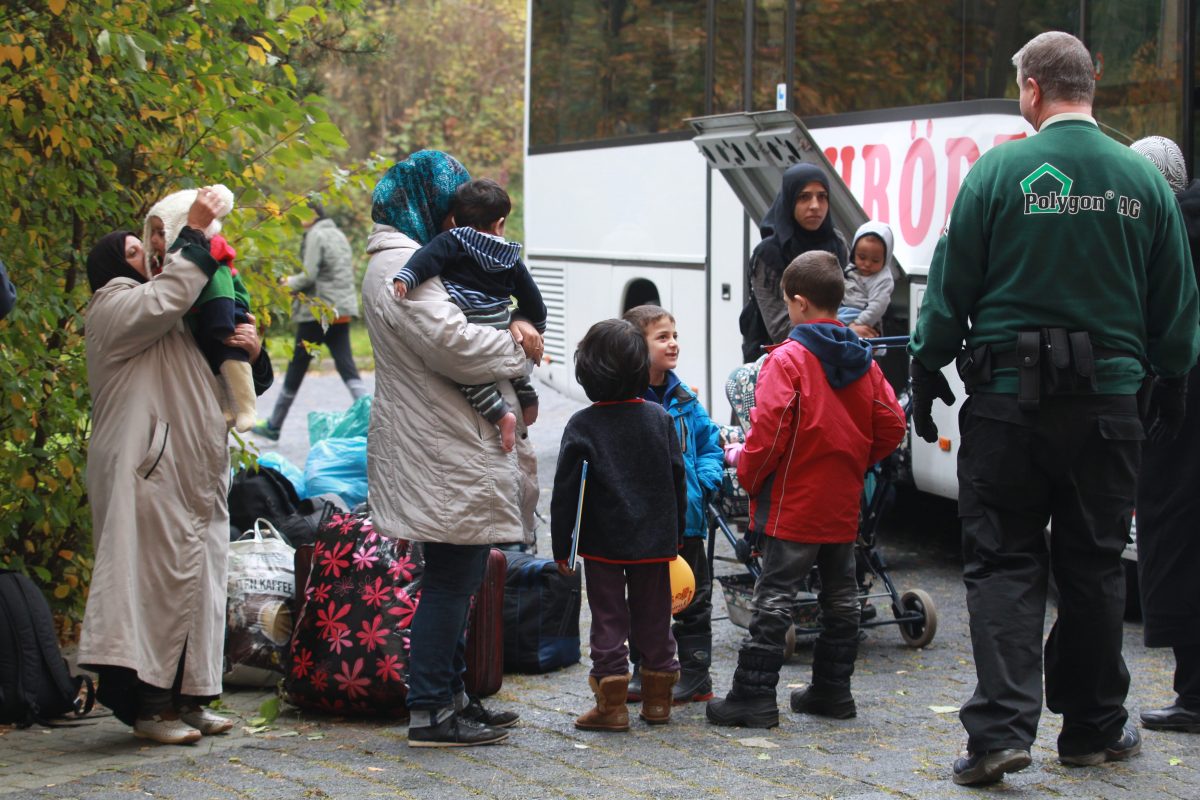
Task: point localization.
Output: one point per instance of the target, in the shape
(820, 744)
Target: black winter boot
(751, 700)
(695, 656)
(829, 695)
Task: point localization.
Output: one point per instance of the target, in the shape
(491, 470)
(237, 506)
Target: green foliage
(106, 106)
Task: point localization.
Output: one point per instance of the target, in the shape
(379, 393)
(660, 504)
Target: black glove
(926, 385)
(1168, 402)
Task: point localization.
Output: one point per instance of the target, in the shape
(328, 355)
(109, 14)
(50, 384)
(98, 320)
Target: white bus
(657, 131)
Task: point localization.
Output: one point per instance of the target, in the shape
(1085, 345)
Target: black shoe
(1172, 718)
(835, 703)
(868, 612)
(475, 712)
(455, 731)
(695, 686)
(750, 712)
(1127, 745)
(978, 769)
(634, 693)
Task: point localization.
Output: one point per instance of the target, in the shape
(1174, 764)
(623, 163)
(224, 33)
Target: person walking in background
(329, 277)
(1168, 504)
(8, 293)
(703, 463)
(436, 475)
(631, 524)
(1064, 268)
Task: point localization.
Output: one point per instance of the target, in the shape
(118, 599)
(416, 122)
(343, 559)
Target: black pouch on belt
(975, 366)
(1029, 378)
(1084, 361)
(1057, 375)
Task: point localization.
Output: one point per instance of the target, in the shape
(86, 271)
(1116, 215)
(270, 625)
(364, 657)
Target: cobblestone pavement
(900, 746)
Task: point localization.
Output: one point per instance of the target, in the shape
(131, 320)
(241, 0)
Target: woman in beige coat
(437, 471)
(157, 475)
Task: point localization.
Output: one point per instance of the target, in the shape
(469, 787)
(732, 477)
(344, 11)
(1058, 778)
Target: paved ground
(901, 745)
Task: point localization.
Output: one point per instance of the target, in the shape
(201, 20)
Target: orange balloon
(683, 585)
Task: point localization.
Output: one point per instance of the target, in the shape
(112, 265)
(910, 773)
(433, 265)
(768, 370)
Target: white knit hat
(173, 211)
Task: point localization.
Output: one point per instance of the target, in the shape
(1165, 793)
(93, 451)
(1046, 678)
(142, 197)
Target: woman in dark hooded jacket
(1168, 505)
(797, 222)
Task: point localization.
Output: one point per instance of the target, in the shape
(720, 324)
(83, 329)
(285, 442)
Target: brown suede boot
(656, 696)
(610, 713)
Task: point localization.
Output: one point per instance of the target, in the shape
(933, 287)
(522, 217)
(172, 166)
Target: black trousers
(1072, 464)
(336, 338)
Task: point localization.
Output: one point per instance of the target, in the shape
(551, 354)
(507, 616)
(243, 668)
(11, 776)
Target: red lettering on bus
(922, 151)
(847, 163)
(877, 171)
(958, 150)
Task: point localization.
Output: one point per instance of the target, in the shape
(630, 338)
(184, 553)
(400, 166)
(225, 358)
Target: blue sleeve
(529, 298)
(8, 293)
(710, 458)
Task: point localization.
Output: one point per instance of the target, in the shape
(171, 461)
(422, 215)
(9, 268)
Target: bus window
(640, 292)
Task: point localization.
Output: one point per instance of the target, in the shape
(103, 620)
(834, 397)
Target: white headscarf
(1167, 156)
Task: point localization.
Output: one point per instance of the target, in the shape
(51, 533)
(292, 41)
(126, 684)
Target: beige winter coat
(157, 477)
(435, 467)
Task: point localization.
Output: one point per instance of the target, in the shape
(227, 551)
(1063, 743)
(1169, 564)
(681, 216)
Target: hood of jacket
(491, 253)
(880, 229)
(385, 237)
(844, 357)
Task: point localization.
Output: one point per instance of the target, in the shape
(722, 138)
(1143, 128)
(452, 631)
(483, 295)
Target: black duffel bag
(267, 494)
(541, 615)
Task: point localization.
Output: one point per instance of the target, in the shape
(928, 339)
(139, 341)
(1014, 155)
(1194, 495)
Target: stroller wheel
(918, 633)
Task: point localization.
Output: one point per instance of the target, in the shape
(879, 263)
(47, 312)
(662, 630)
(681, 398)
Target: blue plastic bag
(287, 469)
(352, 422)
(338, 466)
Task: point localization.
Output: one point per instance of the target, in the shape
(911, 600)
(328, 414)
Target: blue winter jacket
(699, 438)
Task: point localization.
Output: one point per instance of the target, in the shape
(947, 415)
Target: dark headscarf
(107, 261)
(415, 195)
(779, 226)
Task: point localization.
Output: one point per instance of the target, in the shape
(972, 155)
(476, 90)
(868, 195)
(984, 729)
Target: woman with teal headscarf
(437, 472)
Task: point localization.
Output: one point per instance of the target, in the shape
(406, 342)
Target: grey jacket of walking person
(157, 478)
(436, 468)
(328, 272)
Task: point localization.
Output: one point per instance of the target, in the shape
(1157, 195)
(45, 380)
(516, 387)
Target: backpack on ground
(35, 683)
(541, 615)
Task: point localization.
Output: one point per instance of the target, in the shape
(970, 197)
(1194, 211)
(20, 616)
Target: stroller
(913, 612)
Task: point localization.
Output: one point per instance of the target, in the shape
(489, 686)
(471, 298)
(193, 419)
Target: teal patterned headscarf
(415, 195)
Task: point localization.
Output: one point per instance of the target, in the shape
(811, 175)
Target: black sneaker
(475, 712)
(977, 769)
(1127, 745)
(1172, 718)
(454, 731)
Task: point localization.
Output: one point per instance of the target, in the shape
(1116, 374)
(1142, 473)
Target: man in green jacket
(1065, 270)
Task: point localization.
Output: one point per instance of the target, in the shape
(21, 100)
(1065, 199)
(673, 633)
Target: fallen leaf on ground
(943, 709)
(763, 757)
(758, 741)
(1174, 762)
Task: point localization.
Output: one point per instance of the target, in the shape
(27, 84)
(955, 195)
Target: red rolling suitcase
(485, 631)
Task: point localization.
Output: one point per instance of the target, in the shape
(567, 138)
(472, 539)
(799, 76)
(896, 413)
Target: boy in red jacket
(823, 415)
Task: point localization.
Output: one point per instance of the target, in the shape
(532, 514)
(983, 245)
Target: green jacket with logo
(1067, 229)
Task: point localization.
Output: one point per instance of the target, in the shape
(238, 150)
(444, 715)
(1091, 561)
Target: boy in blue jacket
(704, 467)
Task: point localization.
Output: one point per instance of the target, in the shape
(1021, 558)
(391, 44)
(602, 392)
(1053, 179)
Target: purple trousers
(612, 591)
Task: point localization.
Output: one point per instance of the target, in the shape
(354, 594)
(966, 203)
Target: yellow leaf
(65, 467)
(254, 51)
(29, 52)
(265, 44)
(57, 6)
(20, 436)
(62, 590)
(73, 91)
(72, 581)
(56, 135)
(29, 548)
(18, 400)
(51, 484)
(272, 208)
(26, 480)
(66, 555)
(16, 56)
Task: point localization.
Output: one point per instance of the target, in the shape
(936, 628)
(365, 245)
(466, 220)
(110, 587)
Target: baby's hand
(401, 289)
